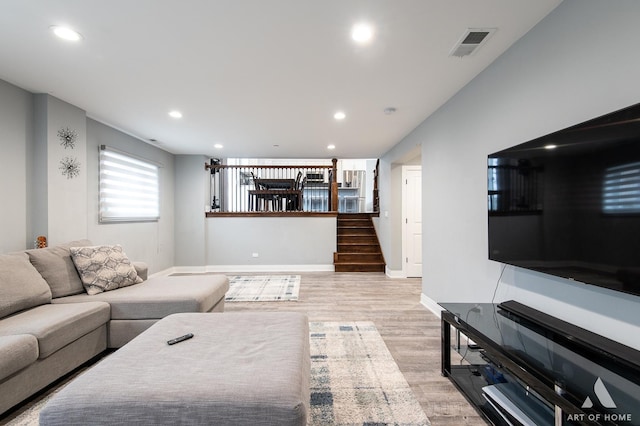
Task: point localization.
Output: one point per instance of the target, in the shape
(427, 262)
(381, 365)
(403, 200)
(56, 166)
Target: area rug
(355, 380)
(263, 288)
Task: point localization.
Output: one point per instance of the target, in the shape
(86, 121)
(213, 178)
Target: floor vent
(470, 41)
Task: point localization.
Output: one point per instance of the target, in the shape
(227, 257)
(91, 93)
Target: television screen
(568, 203)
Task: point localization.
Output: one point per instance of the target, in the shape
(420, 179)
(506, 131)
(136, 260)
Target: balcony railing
(242, 189)
(291, 189)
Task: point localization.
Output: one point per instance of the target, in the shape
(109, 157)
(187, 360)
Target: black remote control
(180, 339)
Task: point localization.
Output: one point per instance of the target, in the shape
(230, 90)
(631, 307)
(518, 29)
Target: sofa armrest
(141, 269)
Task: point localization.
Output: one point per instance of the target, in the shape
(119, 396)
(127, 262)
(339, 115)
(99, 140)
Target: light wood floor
(410, 331)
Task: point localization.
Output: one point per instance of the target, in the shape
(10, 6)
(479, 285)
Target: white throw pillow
(103, 268)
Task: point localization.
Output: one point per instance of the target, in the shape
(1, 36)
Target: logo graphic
(602, 394)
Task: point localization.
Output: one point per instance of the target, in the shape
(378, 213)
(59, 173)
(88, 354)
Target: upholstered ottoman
(238, 369)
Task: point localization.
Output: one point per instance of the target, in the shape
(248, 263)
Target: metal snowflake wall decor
(67, 137)
(70, 167)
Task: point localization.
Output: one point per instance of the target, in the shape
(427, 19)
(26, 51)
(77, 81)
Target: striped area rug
(355, 380)
(263, 288)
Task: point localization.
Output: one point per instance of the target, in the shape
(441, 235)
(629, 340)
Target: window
(129, 188)
(622, 189)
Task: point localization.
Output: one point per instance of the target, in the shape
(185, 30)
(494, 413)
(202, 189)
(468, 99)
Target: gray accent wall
(550, 79)
(151, 242)
(191, 196)
(38, 200)
(306, 242)
(60, 212)
(16, 143)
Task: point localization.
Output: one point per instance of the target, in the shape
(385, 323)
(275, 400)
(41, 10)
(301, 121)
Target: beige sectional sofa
(49, 325)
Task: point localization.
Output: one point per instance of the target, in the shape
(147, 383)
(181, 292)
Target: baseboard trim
(430, 304)
(268, 268)
(394, 273)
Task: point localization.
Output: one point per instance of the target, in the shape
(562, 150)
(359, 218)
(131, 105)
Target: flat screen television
(568, 203)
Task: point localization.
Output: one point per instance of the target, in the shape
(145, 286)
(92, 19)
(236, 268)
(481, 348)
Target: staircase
(358, 247)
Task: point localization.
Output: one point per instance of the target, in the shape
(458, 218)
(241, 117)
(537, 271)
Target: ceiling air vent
(470, 41)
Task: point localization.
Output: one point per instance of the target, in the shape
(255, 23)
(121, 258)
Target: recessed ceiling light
(550, 146)
(66, 33)
(175, 114)
(218, 146)
(332, 146)
(362, 33)
(340, 115)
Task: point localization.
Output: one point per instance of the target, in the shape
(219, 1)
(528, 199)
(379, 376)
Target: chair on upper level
(260, 199)
(294, 196)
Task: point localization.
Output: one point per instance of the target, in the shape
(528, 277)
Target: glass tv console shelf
(519, 366)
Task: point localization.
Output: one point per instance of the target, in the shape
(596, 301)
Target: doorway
(412, 221)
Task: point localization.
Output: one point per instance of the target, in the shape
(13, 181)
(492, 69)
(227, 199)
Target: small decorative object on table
(40, 242)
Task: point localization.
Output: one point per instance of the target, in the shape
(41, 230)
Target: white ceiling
(261, 77)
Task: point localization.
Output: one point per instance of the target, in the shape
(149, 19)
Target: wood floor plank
(410, 331)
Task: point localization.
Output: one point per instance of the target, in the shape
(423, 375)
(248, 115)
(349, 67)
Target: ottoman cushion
(238, 369)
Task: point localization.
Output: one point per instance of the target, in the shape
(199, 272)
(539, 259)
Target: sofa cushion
(56, 325)
(104, 268)
(16, 353)
(161, 296)
(56, 267)
(21, 286)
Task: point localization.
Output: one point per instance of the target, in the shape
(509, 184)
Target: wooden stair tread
(358, 246)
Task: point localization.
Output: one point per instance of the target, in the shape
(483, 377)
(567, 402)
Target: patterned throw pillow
(103, 268)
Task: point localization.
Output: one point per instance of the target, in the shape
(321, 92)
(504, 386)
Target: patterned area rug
(263, 288)
(355, 380)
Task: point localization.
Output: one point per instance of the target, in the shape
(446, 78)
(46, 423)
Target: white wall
(552, 78)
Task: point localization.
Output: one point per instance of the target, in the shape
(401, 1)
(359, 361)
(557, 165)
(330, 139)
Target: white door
(412, 220)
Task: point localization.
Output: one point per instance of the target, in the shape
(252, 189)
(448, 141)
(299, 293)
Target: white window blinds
(129, 188)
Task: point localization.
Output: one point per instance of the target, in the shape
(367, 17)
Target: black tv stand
(518, 365)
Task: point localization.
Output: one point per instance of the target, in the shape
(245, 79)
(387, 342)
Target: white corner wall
(550, 79)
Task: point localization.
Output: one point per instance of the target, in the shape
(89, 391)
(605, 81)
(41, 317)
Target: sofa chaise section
(137, 307)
